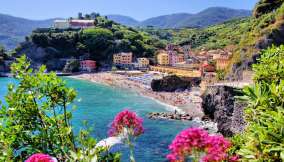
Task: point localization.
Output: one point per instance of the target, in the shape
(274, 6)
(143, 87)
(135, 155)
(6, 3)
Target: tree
(37, 119)
(98, 41)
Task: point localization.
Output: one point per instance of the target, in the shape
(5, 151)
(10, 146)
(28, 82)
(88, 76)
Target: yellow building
(116, 59)
(143, 62)
(177, 71)
(222, 63)
(163, 58)
(122, 58)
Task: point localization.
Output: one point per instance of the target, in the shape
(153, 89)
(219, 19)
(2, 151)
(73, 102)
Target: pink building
(173, 58)
(81, 23)
(88, 65)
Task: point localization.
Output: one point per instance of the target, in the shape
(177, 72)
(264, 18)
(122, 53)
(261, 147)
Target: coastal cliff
(219, 103)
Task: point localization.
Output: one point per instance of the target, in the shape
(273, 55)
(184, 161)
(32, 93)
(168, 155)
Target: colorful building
(78, 24)
(163, 58)
(173, 58)
(207, 67)
(177, 71)
(122, 58)
(180, 58)
(143, 62)
(88, 65)
(189, 66)
(222, 63)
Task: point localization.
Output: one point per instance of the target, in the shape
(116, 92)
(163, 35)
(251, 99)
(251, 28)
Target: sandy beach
(184, 102)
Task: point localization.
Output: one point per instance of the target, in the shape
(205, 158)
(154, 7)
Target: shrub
(36, 118)
(128, 125)
(263, 139)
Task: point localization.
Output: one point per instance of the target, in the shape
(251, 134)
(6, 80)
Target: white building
(61, 24)
(73, 23)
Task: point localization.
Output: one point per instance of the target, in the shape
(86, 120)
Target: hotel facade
(122, 59)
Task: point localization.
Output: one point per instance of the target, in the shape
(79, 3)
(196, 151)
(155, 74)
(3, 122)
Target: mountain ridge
(182, 20)
(14, 29)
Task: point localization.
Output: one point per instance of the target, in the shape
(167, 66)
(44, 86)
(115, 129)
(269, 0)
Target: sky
(138, 9)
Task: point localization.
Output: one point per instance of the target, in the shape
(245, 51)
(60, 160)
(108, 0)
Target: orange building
(163, 58)
(88, 65)
(180, 58)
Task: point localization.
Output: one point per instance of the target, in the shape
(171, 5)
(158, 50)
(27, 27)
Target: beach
(188, 102)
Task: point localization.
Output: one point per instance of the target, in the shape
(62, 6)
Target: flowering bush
(128, 125)
(197, 144)
(126, 120)
(41, 158)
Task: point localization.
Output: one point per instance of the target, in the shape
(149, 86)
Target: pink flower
(193, 140)
(40, 158)
(130, 121)
(234, 158)
(186, 141)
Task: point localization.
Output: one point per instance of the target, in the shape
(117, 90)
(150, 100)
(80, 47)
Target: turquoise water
(99, 104)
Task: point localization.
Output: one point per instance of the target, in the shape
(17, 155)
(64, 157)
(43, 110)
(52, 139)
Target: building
(61, 24)
(173, 58)
(88, 65)
(163, 58)
(180, 58)
(222, 63)
(189, 66)
(143, 62)
(79, 24)
(217, 54)
(207, 68)
(177, 71)
(122, 59)
(74, 24)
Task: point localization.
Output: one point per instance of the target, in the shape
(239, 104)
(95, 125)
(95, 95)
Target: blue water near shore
(98, 104)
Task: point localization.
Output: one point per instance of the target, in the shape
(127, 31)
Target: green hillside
(213, 37)
(100, 42)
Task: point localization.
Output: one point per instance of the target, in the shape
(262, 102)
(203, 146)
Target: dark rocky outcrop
(220, 104)
(170, 84)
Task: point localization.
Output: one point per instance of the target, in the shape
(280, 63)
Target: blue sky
(138, 9)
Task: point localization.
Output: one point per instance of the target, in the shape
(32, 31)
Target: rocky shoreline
(216, 110)
(183, 102)
(169, 116)
(204, 122)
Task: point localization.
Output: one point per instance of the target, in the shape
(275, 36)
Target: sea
(98, 104)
